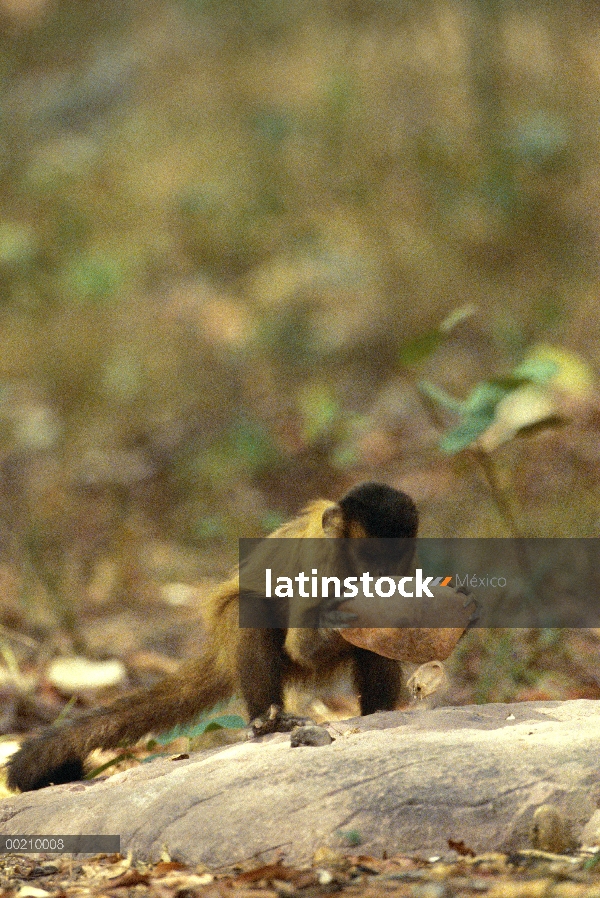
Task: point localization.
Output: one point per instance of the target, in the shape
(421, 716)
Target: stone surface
(402, 781)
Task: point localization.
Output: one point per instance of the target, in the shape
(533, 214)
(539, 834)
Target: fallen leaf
(131, 878)
(268, 872)
(461, 848)
(167, 866)
(72, 675)
(32, 892)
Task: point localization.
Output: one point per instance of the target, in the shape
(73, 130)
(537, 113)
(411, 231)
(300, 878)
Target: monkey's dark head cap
(385, 513)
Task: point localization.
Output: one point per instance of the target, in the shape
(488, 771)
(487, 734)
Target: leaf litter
(527, 873)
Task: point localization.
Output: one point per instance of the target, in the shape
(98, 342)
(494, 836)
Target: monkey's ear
(333, 521)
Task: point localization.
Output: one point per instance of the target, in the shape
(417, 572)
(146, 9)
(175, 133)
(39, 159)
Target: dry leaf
(268, 872)
(130, 878)
(32, 892)
(461, 848)
(73, 675)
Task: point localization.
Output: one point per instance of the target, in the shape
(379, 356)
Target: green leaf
(483, 399)
(440, 397)
(507, 383)
(466, 433)
(477, 412)
(592, 861)
(194, 728)
(224, 722)
(538, 371)
(350, 837)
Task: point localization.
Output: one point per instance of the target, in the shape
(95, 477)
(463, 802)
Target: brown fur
(254, 662)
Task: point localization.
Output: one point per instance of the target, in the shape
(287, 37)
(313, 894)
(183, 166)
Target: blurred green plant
(424, 345)
(206, 723)
(499, 409)
(95, 277)
(479, 410)
(350, 837)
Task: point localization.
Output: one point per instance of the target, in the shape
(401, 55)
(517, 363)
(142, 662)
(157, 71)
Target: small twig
(65, 710)
(499, 495)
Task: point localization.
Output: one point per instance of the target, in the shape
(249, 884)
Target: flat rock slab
(401, 781)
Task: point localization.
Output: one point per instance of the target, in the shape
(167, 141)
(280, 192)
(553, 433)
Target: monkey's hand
(470, 600)
(329, 614)
(277, 721)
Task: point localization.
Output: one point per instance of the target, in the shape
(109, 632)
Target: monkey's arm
(263, 666)
(327, 614)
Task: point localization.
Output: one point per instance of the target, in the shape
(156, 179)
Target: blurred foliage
(236, 236)
(479, 410)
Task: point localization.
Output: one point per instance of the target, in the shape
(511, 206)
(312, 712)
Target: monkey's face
(378, 511)
(378, 525)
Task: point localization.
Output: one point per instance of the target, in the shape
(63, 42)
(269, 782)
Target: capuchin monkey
(256, 663)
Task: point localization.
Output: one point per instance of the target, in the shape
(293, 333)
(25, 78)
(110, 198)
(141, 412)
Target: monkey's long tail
(57, 756)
